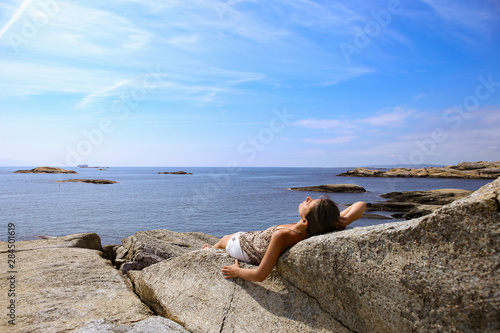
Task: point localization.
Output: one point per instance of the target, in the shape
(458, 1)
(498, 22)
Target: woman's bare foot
(205, 247)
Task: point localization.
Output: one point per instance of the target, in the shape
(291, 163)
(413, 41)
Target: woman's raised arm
(351, 214)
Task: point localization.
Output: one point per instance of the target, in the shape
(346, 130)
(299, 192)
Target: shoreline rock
(332, 188)
(465, 170)
(90, 181)
(146, 248)
(64, 285)
(46, 170)
(417, 203)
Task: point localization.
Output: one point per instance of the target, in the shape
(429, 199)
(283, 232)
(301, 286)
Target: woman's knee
(222, 243)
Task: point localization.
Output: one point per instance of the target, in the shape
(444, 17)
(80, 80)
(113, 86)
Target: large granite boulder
(437, 273)
(64, 284)
(191, 290)
(146, 248)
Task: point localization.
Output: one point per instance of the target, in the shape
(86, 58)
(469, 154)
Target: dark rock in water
(332, 188)
(175, 173)
(45, 170)
(417, 203)
(375, 216)
(90, 181)
(391, 206)
(430, 197)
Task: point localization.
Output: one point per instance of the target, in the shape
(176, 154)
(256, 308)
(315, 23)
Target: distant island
(46, 170)
(331, 188)
(175, 173)
(86, 166)
(90, 181)
(466, 170)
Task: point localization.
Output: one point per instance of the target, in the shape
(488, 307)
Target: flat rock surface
(191, 290)
(146, 248)
(332, 188)
(59, 288)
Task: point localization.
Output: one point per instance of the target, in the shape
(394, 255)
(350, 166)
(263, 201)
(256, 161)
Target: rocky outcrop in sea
(437, 273)
(89, 181)
(331, 188)
(411, 204)
(45, 170)
(467, 170)
(174, 173)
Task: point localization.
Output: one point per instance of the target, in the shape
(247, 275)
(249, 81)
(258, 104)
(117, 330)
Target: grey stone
(150, 325)
(191, 290)
(83, 240)
(146, 248)
(62, 288)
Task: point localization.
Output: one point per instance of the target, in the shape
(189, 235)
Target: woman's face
(306, 206)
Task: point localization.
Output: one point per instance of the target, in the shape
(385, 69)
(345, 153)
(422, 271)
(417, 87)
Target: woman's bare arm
(280, 242)
(351, 214)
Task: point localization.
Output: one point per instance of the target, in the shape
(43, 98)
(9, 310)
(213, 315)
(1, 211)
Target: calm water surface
(216, 201)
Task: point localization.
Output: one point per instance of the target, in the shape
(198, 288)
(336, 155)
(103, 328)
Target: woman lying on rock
(263, 248)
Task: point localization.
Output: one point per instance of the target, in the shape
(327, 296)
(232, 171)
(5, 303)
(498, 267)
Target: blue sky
(249, 83)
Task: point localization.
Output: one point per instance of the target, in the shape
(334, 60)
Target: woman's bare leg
(221, 244)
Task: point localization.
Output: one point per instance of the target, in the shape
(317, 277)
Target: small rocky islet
(174, 173)
(89, 181)
(331, 188)
(46, 170)
(435, 273)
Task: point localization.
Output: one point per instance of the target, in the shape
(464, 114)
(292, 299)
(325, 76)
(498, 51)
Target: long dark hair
(323, 217)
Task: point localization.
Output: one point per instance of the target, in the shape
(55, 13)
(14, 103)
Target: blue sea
(216, 201)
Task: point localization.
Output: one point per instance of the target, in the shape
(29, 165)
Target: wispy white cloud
(385, 118)
(105, 92)
(38, 78)
(473, 16)
(394, 118)
(349, 130)
(322, 123)
(332, 141)
(17, 15)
